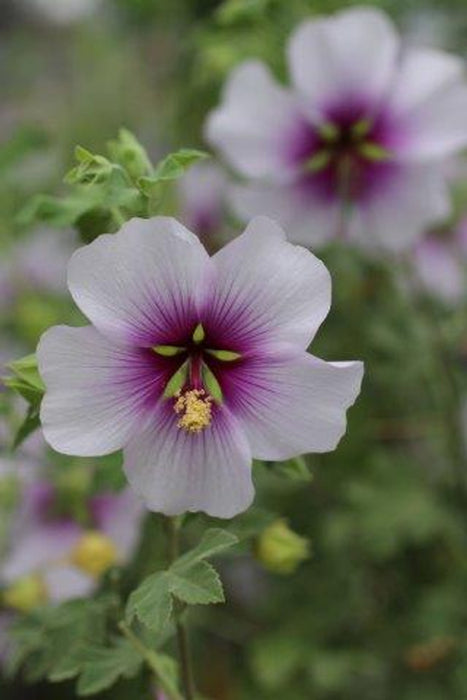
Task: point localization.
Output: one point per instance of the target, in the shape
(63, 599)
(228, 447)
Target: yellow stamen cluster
(195, 410)
(94, 553)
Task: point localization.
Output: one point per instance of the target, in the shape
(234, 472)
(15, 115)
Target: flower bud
(280, 549)
(95, 553)
(26, 593)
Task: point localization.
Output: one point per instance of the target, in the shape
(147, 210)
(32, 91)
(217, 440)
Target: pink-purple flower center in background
(348, 154)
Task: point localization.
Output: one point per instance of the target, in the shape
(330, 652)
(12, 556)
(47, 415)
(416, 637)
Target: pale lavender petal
(351, 53)
(174, 471)
(250, 127)
(66, 582)
(291, 405)
(308, 220)
(440, 270)
(140, 285)
(436, 127)
(119, 516)
(266, 290)
(421, 74)
(397, 216)
(39, 549)
(202, 193)
(98, 393)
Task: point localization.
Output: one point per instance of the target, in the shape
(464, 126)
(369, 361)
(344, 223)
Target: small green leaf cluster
(26, 381)
(107, 190)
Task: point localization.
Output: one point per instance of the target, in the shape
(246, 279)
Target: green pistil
(318, 162)
(374, 152)
(198, 334)
(212, 385)
(168, 350)
(329, 132)
(361, 128)
(177, 381)
(224, 355)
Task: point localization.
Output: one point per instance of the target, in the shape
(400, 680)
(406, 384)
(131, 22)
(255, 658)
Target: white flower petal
(250, 127)
(97, 394)
(174, 471)
(267, 290)
(139, 286)
(352, 53)
(292, 405)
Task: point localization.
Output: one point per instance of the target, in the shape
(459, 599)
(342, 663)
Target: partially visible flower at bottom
(52, 558)
(194, 365)
(441, 265)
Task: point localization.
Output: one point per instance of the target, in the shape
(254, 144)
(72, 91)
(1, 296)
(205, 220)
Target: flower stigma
(195, 410)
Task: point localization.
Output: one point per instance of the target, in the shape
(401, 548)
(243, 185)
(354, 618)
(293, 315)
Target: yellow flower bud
(280, 549)
(95, 553)
(26, 593)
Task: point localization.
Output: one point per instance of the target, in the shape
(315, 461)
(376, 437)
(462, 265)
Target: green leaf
(169, 169)
(103, 666)
(31, 422)
(197, 585)
(26, 368)
(214, 541)
(58, 212)
(151, 602)
(127, 151)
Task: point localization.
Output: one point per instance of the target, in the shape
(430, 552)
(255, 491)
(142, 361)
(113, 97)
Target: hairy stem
(182, 634)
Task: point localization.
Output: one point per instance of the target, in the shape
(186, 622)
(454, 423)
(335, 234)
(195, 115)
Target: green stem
(152, 661)
(448, 390)
(182, 634)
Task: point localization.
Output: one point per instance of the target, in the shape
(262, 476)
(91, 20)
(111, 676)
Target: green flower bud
(280, 549)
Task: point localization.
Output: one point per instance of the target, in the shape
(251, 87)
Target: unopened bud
(280, 549)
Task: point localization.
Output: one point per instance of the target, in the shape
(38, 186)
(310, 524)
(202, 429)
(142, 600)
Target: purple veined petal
(39, 549)
(308, 220)
(440, 270)
(397, 215)
(266, 290)
(250, 127)
(97, 393)
(141, 285)
(67, 582)
(119, 516)
(351, 53)
(202, 198)
(421, 74)
(175, 471)
(436, 126)
(292, 404)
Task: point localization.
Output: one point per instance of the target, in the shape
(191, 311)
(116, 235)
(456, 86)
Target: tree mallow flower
(51, 557)
(194, 365)
(356, 147)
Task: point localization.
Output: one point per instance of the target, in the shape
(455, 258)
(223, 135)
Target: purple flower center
(192, 383)
(348, 156)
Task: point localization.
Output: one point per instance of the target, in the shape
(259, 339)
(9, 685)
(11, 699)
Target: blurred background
(378, 608)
